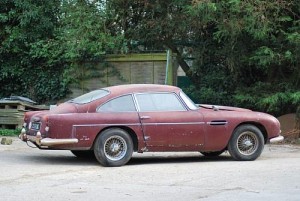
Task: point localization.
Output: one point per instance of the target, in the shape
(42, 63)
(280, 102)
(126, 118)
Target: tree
(24, 26)
(44, 42)
(246, 44)
(86, 38)
(243, 53)
(258, 41)
(156, 25)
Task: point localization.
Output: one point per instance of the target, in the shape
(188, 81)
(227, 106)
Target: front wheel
(113, 147)
(246, 143)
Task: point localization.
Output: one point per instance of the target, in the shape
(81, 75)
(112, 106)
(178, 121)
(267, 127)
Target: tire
(212, 153)
(83, 153)
(113, 147)
(246, 143)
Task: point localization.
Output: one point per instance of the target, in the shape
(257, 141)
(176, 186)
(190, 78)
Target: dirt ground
(33, 174)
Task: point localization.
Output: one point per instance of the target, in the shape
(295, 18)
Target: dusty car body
(116, 121)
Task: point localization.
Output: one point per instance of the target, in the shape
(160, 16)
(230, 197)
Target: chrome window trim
(92, 99)
(181, 95)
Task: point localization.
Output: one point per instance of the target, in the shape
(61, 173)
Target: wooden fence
(150, 68)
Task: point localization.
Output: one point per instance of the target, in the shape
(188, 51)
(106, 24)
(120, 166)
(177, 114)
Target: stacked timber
(12, 112)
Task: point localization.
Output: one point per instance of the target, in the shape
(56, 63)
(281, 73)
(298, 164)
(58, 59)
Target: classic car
(111, 123)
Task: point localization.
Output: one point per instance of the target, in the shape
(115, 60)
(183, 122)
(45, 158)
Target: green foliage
(216, 87)
(243, 53)
(10, 132)
(258, 41)
(277, 100)
(26, 27)
(43, 42)
(84, 32)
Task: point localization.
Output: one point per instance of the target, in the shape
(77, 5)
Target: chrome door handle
(145, 117)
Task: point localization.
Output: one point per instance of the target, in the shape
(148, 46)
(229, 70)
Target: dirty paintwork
(204, 128)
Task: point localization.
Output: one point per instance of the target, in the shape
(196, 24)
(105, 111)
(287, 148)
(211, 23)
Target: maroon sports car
(113, 122)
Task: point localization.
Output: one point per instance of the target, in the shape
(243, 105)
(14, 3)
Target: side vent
(217, 123)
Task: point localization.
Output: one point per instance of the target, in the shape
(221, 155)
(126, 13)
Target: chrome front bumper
(278, 139)
(45, 141)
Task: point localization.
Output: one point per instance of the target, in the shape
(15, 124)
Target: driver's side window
(151, 102)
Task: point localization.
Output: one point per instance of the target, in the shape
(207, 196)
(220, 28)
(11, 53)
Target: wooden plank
(11, 120)
(142, 72)
(136, 57)
(6, 104)
(21, 107)
(119, 73)
(12, 112)
(159, 72)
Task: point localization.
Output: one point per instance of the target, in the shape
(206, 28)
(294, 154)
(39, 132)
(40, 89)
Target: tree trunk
(297, 125)
(185, 67)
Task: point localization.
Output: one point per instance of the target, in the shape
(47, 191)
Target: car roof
(139, 88)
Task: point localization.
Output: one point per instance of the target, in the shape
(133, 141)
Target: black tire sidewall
(83, 153)
(99, 147)
(212, 154)
(232, 146)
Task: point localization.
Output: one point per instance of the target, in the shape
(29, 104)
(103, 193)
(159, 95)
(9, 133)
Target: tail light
(46, 120)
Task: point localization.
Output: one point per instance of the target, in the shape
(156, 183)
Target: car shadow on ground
(142, 160)
(65, 158)
(69, 159)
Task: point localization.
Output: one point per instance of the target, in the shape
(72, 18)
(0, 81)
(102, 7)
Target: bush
(276, 99)
(10, 132)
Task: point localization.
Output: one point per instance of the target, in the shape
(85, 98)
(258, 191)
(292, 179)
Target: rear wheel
(113, 147)
(246, 143)
(83, 153)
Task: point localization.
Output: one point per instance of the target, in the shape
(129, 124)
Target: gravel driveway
(33, 174)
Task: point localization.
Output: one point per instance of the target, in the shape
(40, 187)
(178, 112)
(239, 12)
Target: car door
(167, 123)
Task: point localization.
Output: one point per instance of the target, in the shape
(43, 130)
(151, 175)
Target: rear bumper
(278, 139)
(45, 141)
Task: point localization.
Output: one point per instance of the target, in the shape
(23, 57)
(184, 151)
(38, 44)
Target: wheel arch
(258, 125)
(125, 128)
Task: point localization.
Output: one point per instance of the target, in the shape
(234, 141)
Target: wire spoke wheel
(247, 143)
(115, 148)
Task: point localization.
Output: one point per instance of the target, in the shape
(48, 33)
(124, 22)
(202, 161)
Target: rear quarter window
(120, 104)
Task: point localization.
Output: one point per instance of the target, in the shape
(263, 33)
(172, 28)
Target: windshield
(89, 97)
(188, 101)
